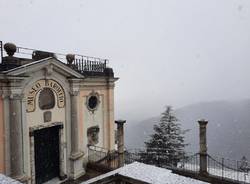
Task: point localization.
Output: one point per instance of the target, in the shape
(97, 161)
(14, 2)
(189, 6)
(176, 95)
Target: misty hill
(228, 128)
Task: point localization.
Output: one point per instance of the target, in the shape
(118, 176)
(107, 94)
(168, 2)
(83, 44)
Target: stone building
(52, 107)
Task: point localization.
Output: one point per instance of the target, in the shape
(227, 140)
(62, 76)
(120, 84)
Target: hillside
(228, 128)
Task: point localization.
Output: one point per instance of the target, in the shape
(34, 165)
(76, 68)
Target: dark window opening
(46, 99)
(92, 102)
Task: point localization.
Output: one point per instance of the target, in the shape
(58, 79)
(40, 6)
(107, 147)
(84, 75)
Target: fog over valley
(165, 52)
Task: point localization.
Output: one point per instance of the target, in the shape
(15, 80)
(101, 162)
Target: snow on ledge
(149, 174)
(6, 180)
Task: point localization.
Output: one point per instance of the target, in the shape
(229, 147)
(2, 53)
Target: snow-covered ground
(147, 173)
(6, 180)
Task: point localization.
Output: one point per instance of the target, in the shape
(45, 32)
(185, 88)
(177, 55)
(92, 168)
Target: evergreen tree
(166, 146)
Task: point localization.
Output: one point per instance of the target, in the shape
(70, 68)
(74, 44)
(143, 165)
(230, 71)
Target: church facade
(51, 111)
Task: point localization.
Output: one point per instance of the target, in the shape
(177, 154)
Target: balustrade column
(203, 146)
(16, 137)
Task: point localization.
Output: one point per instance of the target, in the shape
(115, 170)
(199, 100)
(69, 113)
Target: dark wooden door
(46, 154)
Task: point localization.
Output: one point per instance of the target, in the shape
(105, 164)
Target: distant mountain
(228, 128)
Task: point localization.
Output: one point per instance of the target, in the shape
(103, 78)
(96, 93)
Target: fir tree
(166, 145)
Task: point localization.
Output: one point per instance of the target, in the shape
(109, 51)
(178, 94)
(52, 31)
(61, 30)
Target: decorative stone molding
(47, 116)
(93, 101)
(10, 48)
(40, 85)
(39, 127)
(70, 58)
(76, 156)
(93, 135)
(74, 93)
(48, 70)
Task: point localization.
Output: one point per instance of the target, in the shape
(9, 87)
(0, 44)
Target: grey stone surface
(47, 116)
(6, 180)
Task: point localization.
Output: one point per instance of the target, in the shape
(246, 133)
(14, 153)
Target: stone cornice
(48, 64)
(100, 79)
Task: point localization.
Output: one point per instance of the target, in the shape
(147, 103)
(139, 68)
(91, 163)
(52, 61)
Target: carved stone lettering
(38, 86)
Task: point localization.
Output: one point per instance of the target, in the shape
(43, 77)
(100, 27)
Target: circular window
(92, 102)
(46, 99)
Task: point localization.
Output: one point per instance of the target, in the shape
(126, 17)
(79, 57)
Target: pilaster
(76, 156)
(16, 137)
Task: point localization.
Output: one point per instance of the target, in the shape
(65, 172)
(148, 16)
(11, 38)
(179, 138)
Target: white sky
(174, 52)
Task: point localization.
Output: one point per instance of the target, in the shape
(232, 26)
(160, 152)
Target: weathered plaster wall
(36, 118)
(2, 140)
(103, 116)
(89, 119)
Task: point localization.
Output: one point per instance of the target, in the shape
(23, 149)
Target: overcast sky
(174, 52)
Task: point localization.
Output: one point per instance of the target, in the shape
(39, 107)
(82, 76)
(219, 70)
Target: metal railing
(85, 65)
(81, 63)
(103, 157)
(222, 168)
(229, 169)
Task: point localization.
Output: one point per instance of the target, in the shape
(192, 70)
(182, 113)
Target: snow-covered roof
(6, 180)
(147, 173)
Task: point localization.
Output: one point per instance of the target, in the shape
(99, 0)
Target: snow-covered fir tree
(166, 145)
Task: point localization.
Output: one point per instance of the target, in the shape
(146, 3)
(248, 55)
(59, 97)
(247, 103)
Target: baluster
(76, 63)
(96, 66)
(82, 64)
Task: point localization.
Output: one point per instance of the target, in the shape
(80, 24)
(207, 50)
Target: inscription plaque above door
(40, 85)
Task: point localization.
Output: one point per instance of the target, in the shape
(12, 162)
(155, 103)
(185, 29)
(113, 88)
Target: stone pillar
(120, 135)
(203, 146)
(16, 138)
(77, 169)
(74, 124)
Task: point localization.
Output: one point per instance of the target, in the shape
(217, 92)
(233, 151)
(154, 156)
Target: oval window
(92, 102)
(46, 99)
